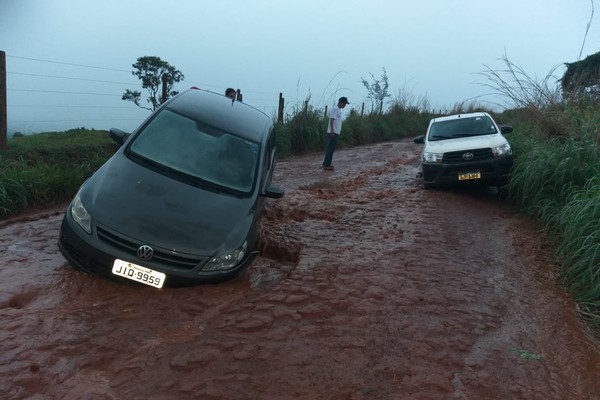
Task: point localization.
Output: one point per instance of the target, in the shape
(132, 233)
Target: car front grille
(167, 258)
(457, 156)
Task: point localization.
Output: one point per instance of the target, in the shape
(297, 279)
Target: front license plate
(138, 273)
(469, 175)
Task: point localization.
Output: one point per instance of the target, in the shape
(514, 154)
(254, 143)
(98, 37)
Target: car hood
(155, 209)
(465, 143)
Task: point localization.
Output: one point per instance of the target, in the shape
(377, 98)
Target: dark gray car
(180, 201)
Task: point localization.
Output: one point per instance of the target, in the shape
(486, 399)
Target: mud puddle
(368, 287)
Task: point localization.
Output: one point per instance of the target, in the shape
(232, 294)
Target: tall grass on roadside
(404, 118)
(557, 182)
(541, 99)
(547, 172)
(46, 169)
(556, 176)
(306, 127)
(579, 248)
(12, 196)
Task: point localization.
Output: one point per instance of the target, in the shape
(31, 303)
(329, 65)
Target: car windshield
(461, 127)
(198, 151)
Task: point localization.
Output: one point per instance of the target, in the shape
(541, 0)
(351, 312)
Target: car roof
(458, 116)
(222, 112)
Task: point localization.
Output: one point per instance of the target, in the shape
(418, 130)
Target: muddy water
(368, 288)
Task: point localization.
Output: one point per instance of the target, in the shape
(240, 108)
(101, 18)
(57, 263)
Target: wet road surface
(368, 287)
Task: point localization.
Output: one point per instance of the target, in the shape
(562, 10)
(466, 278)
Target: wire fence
(49, 95)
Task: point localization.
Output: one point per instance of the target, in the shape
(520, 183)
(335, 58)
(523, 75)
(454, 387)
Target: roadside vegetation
(555, 180)
(556, 177)
(46, 169)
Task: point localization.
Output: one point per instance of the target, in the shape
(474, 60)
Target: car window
(461, 127)
(197, 150)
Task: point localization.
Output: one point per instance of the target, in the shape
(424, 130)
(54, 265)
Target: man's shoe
(328, 167)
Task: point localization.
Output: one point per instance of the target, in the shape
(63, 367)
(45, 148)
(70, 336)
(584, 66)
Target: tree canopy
(582, 77)
(150, 70)
(378, 90)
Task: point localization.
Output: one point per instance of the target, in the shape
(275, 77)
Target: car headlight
(432, 157)
(80, 215)
(501, 150)
(227, 260)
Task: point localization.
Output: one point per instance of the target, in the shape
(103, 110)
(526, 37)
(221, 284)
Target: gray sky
(431, 49)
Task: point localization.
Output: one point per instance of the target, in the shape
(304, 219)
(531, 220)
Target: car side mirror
(419, 139)
(274, 192)
(118, 136)
(504, 129)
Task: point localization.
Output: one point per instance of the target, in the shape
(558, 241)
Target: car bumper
(96, 256)
(491, 172)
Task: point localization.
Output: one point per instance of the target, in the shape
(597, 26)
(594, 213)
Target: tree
(150, 70)
(582, 77)
(378, 90)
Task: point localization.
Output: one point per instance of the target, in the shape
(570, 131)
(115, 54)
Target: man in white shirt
(334, 128)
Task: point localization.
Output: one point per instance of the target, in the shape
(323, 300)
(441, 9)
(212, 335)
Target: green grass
(47, 169)
(304, 129)
(556, 181)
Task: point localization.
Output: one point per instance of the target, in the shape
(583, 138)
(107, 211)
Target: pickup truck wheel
(502, 192)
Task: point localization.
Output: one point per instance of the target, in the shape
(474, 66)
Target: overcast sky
(431, 49)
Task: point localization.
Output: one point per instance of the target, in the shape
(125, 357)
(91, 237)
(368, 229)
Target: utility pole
(165, 81)
(3, 113)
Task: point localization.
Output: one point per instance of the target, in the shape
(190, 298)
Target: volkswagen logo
(145, 252)
(467, 156)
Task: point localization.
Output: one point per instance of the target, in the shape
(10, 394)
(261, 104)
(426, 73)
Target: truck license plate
(469, 175)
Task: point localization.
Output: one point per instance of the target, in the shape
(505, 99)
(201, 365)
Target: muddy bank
(368, 287)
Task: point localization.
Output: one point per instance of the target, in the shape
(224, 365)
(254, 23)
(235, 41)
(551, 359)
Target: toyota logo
(467, 156)
(145, 252)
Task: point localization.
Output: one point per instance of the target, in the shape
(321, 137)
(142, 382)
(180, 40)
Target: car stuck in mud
(180, 201)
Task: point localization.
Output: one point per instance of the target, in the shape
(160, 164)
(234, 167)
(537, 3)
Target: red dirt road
(368, 287)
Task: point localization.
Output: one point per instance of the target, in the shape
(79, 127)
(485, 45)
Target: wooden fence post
(280, 109)
(325, 115)
(3, 113)
(165, 79)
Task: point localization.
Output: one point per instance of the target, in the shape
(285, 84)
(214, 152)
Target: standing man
(334, 128)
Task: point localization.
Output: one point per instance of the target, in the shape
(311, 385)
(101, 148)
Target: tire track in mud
(368, 287)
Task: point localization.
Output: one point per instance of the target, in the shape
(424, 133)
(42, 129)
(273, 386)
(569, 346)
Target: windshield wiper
(210, 186)
(186, 178)
(149, 162)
